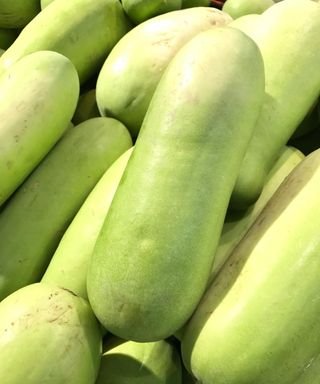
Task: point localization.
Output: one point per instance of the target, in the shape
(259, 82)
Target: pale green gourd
(154, 253)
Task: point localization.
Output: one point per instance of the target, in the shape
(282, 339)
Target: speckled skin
(49, 86)
(48, 335)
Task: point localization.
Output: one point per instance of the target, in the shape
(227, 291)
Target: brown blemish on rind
(68, 290)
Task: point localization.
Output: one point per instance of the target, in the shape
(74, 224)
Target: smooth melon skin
(127, 80)
(18, 13)
(48, 335)
(48, 87)
(85, 31)
(259, 320)
(238, 8)
(237, 223)
(311, 373)
(35, 218)
(247, 22)
(128, 362)
(69, 264)
(154, 253)
(45, 3)
(142, 10)
(290, 90)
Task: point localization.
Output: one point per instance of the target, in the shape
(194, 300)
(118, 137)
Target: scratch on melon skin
(44, 315)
